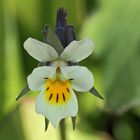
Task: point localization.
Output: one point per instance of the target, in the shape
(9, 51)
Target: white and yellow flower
(57, 81)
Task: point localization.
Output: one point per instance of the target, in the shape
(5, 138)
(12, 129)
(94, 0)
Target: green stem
(62, 130)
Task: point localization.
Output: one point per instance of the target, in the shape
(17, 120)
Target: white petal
(40, 51)
(37, 78)
(82, 78)
(54, 113)
(77, 50)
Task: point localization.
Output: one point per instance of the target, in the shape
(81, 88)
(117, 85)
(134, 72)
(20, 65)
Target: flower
(57, 81)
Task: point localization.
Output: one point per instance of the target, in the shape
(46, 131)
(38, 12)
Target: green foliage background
(114, 27)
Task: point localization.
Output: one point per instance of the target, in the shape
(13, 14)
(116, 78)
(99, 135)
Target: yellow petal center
(57, 92)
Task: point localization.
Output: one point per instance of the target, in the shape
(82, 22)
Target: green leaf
(117, 38)
(122, 126)
(11, 126)
(11, 56)
(1, 59)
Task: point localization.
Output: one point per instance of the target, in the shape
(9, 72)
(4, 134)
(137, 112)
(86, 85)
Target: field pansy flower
(58, 80)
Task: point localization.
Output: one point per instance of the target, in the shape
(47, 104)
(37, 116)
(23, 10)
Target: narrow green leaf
(12, 124)
(2, 93)
(96, 93)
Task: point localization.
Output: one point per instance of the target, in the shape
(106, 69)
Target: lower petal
(55, 112)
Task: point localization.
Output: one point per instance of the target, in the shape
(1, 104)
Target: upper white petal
(54, 113)
(37, 79)
(40, 51)
(77, 50)
(82, 78)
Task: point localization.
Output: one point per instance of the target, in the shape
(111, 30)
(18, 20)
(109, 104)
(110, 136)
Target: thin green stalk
(62, 130)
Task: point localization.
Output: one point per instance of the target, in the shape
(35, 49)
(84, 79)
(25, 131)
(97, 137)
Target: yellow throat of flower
(57, 92)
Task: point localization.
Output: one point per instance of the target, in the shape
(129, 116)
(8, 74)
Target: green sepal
(51, 38)
(46, 124)
(23, 92)
(96, 93)
(73, 119)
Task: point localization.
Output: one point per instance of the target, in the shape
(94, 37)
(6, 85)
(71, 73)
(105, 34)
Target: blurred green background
(114, 26)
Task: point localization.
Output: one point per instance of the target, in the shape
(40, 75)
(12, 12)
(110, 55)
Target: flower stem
(62, 130)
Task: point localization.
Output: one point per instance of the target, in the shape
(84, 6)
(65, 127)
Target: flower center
(59, 63)
(57, 92)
